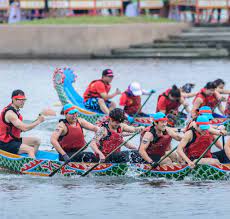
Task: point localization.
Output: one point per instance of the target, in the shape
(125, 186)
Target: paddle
(140, 108)
(156, 164)
(94, 166)
(66, 162)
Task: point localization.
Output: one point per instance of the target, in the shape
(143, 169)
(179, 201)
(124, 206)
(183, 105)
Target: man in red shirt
(96, 96)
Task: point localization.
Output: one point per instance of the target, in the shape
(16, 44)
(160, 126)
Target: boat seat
(45, 155)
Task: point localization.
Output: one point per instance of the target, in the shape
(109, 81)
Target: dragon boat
(63, 80)
(47, 162)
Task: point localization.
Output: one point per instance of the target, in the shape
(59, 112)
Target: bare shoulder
(10, 115)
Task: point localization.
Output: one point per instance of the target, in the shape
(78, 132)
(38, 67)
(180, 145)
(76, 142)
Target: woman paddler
(131, 99)
(11, 126)
(156, 141)
(68, 136)
(169, 103)
(110, 136)
(208, 96)
(195, 141)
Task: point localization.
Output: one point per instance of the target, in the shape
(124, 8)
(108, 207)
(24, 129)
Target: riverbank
(80, 41)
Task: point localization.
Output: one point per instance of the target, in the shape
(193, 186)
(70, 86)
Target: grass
(98, 20)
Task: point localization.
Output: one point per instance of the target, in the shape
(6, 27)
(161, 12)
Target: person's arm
(147, 138)
(130, 146)
(188, 95)
(106, 96)
(215, 131)
(227, 148)
(60, 130)
(221, 108)
(196, 105)
(185, 104)
(127, 128)
(88, 125)
(173, 134)
(218, 143)
(180, 149)
(11, 117)
(98, 136)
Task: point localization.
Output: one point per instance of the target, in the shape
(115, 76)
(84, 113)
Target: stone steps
(175, 45)
(167, 50)
(207, 29)
(197, 42)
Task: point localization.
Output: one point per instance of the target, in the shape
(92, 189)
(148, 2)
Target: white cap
(135, 88)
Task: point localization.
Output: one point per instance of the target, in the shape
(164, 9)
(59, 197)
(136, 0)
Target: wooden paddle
(94, 166)
(47, 112)
(156, 164)
(66, 162)
(140, 108)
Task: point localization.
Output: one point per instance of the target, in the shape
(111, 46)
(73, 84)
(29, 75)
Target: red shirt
(95, 88)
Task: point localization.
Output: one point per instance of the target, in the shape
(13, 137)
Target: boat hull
(41, 167)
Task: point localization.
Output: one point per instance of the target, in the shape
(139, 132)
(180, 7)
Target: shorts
(136, 157)
(92, 103)
(81, 157)
(12, 146)
(221, 156)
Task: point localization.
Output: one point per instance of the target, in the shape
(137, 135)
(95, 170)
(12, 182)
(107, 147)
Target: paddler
(131, 99)
(97, 97)
(195, 141)
(156, 141)
(68, 136)
(11, 126)
(110, 136)
(170, 100)
(169, 103)
(207, 97)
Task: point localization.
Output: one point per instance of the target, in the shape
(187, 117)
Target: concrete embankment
(197, 42)
(78, 41)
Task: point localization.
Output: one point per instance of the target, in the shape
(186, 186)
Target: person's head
(18, 98)
(116, 117)
(187, 88)
(135, 89)
(206, 111)
(107, 75)
(174, 93)
(202, 123)
(219, 83)
(70, 112)
(160, 121)
(210, 88)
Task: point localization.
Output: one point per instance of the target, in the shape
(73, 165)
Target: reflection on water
(106, 197)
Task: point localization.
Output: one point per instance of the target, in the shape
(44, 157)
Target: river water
(106, 197)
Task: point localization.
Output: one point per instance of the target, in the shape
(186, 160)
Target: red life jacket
(210, 101)
(133, 104)
(8, 131)
(160, 144)
(170, 105)
(74, 139)
(112, 140)
(227, 109)
(199, 144)
(90, 93)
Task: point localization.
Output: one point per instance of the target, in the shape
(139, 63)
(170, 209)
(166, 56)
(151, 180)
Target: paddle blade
(48, 112)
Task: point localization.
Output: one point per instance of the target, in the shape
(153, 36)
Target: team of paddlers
(155, 141)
